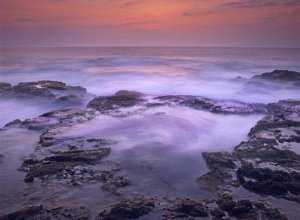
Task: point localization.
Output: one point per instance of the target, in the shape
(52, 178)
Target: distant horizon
(157, 46)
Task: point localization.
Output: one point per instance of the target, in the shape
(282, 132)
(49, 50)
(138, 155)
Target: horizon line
(144, 46)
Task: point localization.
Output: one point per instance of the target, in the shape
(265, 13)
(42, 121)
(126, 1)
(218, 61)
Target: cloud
(259, 3)
(185, 14)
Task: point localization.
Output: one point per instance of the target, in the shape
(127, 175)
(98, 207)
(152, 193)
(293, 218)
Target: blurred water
(153, 70)
(159, 149)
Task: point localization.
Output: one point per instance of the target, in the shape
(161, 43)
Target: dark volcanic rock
(4, 85)
(121, 99)
(264, 164)
(71, 166)
(59, 118)
(266, 181)
(43, 213)
(220, 163)
(216, 106)
(226, 203)
(224, 207)
(126, 98)
(246, 209)
(212, 179)
(51, 92)
(279, 76)
(217, 160)
(13, 123)
(185, 208)
(128, 209)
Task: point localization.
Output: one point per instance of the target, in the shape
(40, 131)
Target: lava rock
(41, 212)
(121, 99)
(185, 208)
(128, 209)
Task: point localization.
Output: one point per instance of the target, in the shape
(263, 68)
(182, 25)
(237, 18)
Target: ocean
(159, 149)
(152, 70)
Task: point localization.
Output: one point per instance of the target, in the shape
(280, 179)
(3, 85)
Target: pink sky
(265, 23)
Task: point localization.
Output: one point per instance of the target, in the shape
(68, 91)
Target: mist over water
(168, 141)
(158, 149)
(188, 71)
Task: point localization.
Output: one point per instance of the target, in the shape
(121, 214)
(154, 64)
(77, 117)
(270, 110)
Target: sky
(225, 23)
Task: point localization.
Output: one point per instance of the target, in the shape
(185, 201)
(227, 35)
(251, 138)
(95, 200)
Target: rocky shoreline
(267, 164)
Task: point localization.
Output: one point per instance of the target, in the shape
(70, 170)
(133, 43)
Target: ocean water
(152, 70)
(158, 149)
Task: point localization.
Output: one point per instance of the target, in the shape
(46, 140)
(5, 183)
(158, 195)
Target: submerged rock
(128, 209)
(41, 213)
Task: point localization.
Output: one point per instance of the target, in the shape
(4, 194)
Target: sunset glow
(150, 22)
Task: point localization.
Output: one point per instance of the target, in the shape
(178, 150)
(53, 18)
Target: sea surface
(170, 140)
(152, 70)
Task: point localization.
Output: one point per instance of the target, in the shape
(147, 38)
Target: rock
(4, 85)
(246, 209)
(226, 203)
(243, 210)
(217, 214)
(215, 106)
(267, 181)
(129, 94)
(28, 178)
(217, 160)
(121, 99)
(112, 183)
(212, 179)
(186, 208)
(268, 213)
(128, 209)
(62, 165)
(41, 212)
(45, 84)
(58, 118)
(13, 123)
(51, 92)
(279, 76)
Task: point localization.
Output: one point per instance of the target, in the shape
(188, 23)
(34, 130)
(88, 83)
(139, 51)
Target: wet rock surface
(279, 76)
(74, 166)
(277, 79)
(185, 209)
(246, 209)
(121, 99)
(128, 209)
(267, 181)
(266, 164)
(43, 213)
(46, 91)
